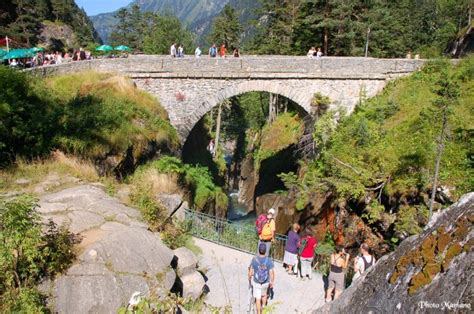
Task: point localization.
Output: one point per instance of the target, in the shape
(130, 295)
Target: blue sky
(94, 7)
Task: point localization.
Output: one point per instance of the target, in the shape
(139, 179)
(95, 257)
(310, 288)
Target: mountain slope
(25, 22)
(197, 14)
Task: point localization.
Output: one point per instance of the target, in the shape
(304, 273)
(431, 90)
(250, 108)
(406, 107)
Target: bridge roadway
(188, 87)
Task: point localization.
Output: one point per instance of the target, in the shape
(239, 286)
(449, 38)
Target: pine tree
(447, 96)
(276, 26)
(164, 31)
(25, 28)
(120, 34)
(226, 28)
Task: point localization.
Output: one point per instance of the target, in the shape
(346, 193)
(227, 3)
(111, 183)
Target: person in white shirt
(173, 50)
(319, 53)
(363, 261)
(197, 52)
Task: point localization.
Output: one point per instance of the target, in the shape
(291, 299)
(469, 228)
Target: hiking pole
(250, 301)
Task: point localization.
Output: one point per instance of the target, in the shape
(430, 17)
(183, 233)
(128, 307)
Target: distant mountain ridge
(196, 14)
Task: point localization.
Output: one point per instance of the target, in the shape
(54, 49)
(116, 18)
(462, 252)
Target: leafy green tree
(226, 28)
(164, 31)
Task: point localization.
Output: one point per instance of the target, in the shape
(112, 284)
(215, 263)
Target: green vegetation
(283, 132)
(149, 32)
(205, 195)
(86, 114)
(102, 114)
(385, 151)
(226, 28)
(341, 27)
(27, 255)
(22, 19)
(323, 254)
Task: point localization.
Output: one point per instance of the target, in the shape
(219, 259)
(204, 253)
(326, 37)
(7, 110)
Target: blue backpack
(213, 51)
(262, 274)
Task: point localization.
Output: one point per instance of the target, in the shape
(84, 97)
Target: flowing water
(237, 212)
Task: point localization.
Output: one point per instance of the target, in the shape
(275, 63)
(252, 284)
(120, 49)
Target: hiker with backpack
(290, 258)
(362, 262)
(261, 276)
(265, 227)
(306, 247)
(213, 51)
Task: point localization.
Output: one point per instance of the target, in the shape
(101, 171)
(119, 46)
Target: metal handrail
(227, 233)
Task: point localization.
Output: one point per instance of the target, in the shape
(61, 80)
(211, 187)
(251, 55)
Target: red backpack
(260, 222)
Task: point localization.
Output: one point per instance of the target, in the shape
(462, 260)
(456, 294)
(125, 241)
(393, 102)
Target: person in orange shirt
(222, 51)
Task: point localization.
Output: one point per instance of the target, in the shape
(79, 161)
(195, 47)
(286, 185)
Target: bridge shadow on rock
(282, 162)
(196, 153)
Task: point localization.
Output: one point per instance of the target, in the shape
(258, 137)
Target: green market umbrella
(2, 53)
(122, 48)
(18, 53)
(104, 48)
(36, 49)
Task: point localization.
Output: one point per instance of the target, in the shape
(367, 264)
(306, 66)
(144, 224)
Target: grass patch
(59, 165)
(283, 132)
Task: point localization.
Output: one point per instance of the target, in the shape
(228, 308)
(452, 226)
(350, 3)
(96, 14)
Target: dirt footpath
(226, 270)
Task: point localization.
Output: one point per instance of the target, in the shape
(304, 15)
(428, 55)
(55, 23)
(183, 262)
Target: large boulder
(186, 260)
(118, 255)
(428, 273)
(192, 285)
(174, 205)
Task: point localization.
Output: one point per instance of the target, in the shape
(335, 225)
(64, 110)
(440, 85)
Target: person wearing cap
(267, 236)
(261, 276)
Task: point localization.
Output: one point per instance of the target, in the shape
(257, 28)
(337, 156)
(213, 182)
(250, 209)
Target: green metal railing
(225, 232)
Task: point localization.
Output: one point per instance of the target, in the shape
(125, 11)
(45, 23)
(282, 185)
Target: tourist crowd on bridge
(42, 58)
(298, 261)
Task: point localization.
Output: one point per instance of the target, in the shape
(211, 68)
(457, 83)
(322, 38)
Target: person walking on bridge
(261, 276)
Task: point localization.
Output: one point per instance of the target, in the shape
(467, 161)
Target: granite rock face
(428, 273)
(118, 255)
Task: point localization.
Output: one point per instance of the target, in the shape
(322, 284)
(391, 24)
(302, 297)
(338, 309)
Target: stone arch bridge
(188, 88)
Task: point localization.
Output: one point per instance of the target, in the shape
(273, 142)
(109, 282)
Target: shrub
(27, 255)
(87, 114)
(205, 194)
(27, 122)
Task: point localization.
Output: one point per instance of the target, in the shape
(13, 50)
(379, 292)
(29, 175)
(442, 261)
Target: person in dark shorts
(339, 262)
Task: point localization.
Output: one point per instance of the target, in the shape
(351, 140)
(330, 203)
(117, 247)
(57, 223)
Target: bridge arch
(299, 98)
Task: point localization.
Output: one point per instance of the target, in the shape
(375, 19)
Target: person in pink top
(306, 247)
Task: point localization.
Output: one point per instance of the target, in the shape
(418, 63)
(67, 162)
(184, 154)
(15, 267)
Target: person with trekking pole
(261, 275)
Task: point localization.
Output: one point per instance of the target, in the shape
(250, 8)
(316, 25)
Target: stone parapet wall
(251, 66)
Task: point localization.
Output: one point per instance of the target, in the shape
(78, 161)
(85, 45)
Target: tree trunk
(272, 108)
(218, 129)
(438, 161)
